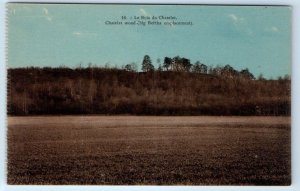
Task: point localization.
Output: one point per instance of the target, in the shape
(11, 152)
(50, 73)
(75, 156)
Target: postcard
(140, 94)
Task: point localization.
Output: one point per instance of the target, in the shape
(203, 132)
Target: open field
(149, 150)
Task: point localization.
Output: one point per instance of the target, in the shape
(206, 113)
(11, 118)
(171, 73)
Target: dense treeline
(92, 90)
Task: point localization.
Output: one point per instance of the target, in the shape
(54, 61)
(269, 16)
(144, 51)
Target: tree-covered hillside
(172, 89)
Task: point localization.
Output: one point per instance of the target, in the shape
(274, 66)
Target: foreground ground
(149, 150)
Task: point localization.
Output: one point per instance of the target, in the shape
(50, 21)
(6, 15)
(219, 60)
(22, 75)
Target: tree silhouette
(198, 67)
(186, 64)
(203, 68)
(160, 68)
(158, 60)
(176, 63)
(228, 71)
(246, 74)
(167, 63)
(261, 77)
(131, 67)
(147, 64)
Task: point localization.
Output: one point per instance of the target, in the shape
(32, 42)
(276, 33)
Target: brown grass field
(130, 150)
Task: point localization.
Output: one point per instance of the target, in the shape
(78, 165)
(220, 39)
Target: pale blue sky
(254, 37)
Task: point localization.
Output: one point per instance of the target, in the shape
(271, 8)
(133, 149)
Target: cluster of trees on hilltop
(178, 64)
(171, 91)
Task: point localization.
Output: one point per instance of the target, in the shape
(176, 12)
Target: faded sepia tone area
(153, 105)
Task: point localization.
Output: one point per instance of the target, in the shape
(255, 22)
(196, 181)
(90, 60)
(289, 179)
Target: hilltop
(44, 91)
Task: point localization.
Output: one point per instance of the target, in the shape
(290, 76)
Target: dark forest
(175, 88)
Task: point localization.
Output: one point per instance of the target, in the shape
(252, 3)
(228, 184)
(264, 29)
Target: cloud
(144, 13)
(239, 24)
(84, 34)
(77, 33)
(236, 20)
(46, 14)
(45, 11)
(233, 17)
(272, 29)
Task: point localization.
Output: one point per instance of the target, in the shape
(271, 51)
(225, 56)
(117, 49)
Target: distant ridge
(52, 91)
